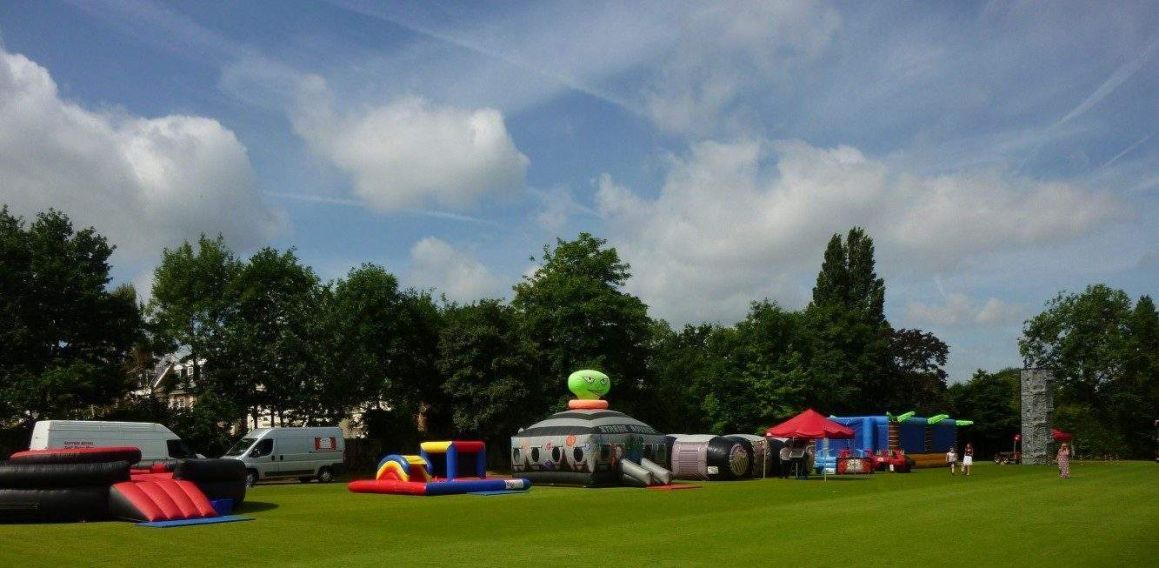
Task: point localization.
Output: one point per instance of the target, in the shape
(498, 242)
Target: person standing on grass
(1063, 461)
(952, 459)
(967, 458)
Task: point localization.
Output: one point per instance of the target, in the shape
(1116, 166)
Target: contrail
(1138, 143)
(1116, 80)
(481, 49)
(356, 203)
(1112, 83)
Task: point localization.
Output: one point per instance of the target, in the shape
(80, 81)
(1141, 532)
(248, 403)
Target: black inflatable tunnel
(731, 458)
(748, 447)
(217, 478)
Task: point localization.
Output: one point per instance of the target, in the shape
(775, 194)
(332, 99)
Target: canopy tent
(809, 424)
(1060, 436)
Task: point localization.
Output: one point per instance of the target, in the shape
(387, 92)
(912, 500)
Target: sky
(998, 153)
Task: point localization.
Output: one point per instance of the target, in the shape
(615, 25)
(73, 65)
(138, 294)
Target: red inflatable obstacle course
(90, 484)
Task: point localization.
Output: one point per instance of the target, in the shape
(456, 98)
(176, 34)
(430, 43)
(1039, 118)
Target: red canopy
(809, 424)
(1060, 436)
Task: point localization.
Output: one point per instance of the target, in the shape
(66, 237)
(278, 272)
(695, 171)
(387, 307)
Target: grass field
(1106, 515)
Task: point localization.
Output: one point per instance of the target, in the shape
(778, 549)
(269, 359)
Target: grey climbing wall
(1037, 406)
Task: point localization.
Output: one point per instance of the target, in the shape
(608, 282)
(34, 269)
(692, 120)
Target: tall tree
(575, 310)
(918, 374)
(759, 377)
(192, 295)
(362, 324)
(991, 400)
(846, 320)
(488, 366)
(1100, 349)
(65, 338)
(269, 334)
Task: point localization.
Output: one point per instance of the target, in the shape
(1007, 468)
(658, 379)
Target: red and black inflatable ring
(77, 455)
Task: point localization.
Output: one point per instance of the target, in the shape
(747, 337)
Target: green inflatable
(588, 384)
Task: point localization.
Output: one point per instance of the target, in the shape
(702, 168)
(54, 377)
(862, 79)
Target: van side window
(264, 448)
(178, 449)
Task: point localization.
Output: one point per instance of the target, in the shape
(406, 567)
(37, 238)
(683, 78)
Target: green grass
(1107, 514)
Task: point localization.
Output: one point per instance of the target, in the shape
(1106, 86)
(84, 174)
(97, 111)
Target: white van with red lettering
(310, 452)
(155, 441)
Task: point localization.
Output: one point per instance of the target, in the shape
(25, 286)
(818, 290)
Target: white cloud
(438, 265)
(737, 221)
(960, 309)
(412, 152)
(144, 183)
(726, 49)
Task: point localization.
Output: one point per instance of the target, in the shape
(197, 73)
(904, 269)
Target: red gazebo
(810, 424)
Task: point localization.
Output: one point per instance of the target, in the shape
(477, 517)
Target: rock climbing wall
(1037, 406)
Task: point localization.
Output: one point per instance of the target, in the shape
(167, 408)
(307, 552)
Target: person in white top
(952, 459)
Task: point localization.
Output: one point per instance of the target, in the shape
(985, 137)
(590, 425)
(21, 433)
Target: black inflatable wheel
(54, 505)
(62, 475)
(210, 470)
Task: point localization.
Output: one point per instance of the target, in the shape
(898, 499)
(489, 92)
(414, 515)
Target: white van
(155, 441)
(306, 453)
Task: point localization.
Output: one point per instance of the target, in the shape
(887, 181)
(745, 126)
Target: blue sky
(998, 153)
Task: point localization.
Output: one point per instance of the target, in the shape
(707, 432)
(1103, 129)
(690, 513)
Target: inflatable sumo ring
(582, 404)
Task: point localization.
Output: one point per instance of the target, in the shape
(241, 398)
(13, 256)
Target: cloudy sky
(998, 152)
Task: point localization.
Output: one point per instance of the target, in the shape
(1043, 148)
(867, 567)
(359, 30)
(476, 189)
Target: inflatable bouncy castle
(91, 484)
(590, 445)
(903, 441)
(441, 468)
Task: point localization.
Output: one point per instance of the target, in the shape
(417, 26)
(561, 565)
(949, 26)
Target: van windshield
(241, 446)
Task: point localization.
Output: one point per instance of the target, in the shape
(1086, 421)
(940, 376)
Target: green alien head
(588, 384)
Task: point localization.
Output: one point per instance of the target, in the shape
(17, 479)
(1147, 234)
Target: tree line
(266, 337)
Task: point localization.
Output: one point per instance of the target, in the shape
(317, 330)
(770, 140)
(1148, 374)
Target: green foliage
(991, 400)
(849, 355)
(918, 371)
(1102, 351)
(575, 312)
(272, 337)
(488, 366)
(64, 336)
(205, 425)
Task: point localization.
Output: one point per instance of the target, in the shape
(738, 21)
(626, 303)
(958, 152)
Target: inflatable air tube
(774, 456)
(54, 505)
(730, 458)
(750, 468)
(78, 455)
(62, 475)
(217, 478)
(661, 475)
(582, 404)
(634, 471)
(210, 470)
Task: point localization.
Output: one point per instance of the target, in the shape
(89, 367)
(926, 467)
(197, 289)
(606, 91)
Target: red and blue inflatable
(441, 468)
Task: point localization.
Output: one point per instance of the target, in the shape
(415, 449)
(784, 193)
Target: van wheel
(325, 475)
(251, 478)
